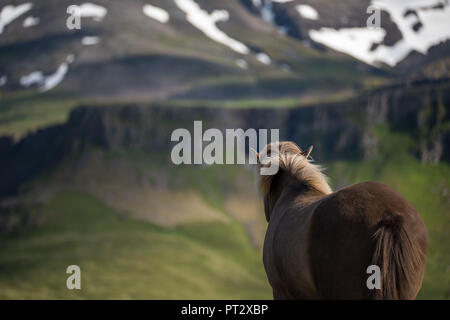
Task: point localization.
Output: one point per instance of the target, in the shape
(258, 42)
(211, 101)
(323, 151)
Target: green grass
(123, 259)
(27, 111)
(309, 99)
(427, 187)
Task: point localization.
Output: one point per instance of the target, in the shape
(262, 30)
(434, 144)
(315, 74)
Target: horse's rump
(362, 225)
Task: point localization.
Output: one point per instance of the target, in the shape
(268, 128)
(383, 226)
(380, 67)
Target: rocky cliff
(339, 131)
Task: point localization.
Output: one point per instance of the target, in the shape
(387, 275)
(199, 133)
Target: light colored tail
(400, 259)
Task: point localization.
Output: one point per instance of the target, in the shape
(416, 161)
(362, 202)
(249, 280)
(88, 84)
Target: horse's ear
(307, 153)
(256, 155)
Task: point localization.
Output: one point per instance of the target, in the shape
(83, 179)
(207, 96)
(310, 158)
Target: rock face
(339, 131)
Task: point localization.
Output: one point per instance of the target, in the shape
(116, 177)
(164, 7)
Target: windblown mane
(293, 161)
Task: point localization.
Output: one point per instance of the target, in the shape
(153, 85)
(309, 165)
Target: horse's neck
(302, 195)
(290, 192)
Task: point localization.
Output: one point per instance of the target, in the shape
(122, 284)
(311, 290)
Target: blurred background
(86, 116)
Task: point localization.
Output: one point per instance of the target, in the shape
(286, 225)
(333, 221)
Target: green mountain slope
(122, 258)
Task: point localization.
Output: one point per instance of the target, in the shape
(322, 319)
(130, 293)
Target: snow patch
(265, 9)
(391, 55)
(206, 23)
(156, 13)
(90, 40)
(263, 58)
(241, 63)
(36, 77)
(267, 13)
(90, 10)
(54, 79)
(3, 80)
(10, 13)
(70, 58)
(30, 22)
(307, 12)
(353, 41)
(49, 82)
(435, 21)
(425, 26)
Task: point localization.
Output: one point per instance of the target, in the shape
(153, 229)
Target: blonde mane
(294, 162)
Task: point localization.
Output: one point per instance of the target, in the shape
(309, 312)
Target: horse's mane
(294, 162)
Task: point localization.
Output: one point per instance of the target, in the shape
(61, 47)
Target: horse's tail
(399, 258)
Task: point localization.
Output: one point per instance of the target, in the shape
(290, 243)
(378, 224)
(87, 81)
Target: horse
(319, 243)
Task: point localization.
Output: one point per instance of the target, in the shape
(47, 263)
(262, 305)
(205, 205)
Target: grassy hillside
(122, 259)
(27, 111)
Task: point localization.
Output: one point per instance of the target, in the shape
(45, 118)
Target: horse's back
(342, 243)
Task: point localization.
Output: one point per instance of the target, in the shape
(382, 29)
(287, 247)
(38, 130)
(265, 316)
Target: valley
(87, 116)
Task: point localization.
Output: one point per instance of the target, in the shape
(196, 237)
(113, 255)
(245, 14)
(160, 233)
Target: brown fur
(319, 243)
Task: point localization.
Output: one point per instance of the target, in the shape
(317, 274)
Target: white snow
(90, 40)
(307, 12)
(10, 13)
(265, 9)
(90, 10)
(54, 79)
(206, 23)
(49, 82)
(353, 41)
(357, 42)
(241, 63)
(3, 80)
(263, 58)
(156, 13)
(391, 55)
(435, 22)
(70, 58)
(267, 13)
(36, 77)
(30, 22)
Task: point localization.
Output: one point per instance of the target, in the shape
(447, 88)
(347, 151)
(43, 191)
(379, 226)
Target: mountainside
(186, 49)
(411, 35)
(104, 182)
(127, 54)
(347, 131)
(342, 130)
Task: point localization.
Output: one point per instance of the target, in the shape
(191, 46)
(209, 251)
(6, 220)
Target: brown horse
(320, 243)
